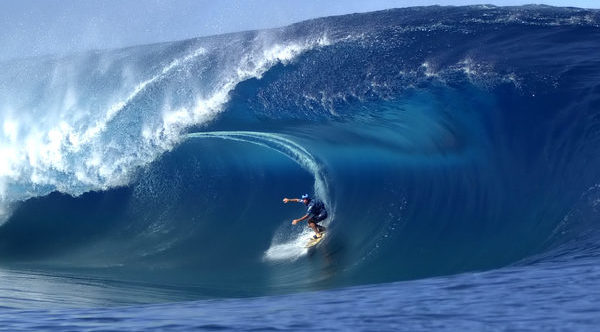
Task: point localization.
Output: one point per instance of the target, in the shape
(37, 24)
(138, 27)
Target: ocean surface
(456, 148)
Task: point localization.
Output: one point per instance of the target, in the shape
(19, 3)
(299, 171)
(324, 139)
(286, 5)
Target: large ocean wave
(442, 139)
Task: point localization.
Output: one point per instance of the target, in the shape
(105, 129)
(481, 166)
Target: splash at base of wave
(289, 246)
(286, 246)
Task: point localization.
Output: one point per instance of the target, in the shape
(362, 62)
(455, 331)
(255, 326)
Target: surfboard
(313, 242)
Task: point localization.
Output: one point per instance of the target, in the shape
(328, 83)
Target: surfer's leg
(318, 219)
(314, 227)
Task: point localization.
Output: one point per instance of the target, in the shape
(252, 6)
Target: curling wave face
(441, 140)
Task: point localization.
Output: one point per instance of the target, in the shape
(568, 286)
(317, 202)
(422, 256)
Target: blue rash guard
(316, 211)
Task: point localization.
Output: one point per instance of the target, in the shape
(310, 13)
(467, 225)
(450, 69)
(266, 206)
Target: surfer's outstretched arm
(295, 221)
(285, 200)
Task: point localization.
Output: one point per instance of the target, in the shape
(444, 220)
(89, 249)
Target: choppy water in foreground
(543, 296)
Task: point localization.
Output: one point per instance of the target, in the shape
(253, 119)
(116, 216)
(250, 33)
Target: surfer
(315, 214)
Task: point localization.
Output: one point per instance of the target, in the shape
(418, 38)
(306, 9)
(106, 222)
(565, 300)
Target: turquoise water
(456, 149)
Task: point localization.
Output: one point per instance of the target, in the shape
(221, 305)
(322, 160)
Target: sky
(39, 27)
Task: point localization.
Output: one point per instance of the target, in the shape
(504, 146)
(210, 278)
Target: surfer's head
(306, 198)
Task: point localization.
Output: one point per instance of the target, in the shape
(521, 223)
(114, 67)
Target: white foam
(115, 108)
(429, 71)
(4, 214)
(288, 248)
(252, 65)
(69, 146)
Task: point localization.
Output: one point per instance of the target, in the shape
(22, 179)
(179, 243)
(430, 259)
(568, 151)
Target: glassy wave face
(442, 139)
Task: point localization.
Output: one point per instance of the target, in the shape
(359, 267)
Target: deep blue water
(455, 147)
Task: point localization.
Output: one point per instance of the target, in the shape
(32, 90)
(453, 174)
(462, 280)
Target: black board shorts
(318, 218)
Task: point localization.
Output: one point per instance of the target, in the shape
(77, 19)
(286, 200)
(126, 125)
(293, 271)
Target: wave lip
(98, 146)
